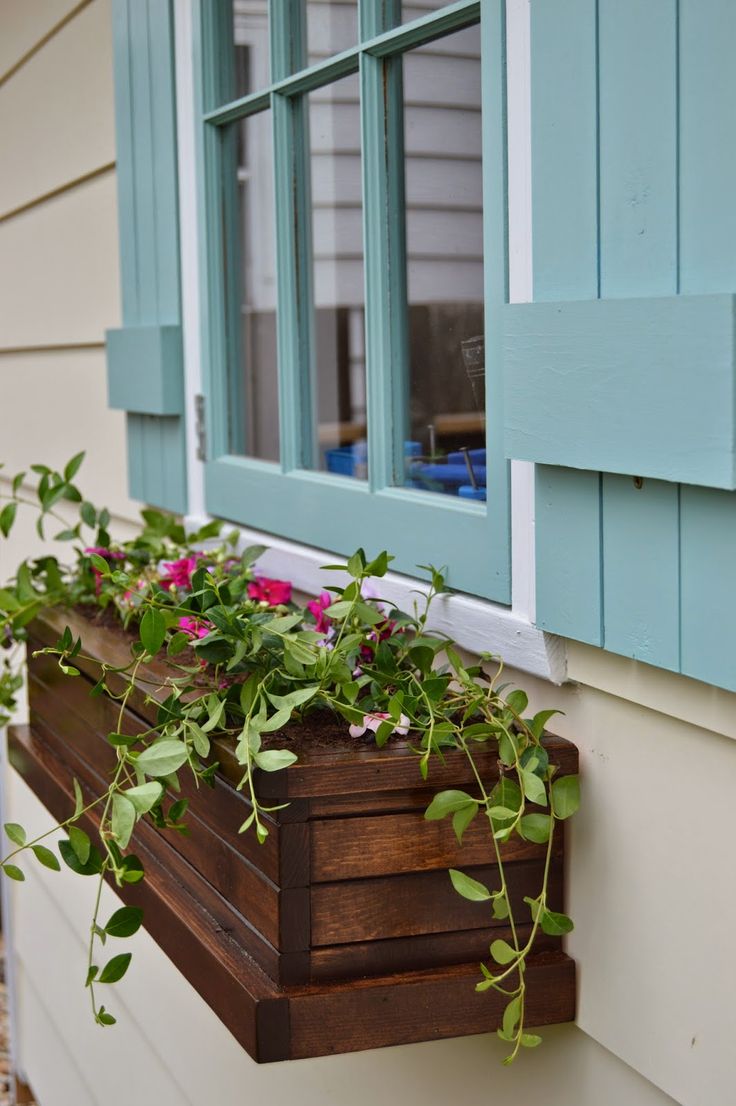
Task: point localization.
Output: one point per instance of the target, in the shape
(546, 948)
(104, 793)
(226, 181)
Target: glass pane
(332, 26)
(250, 31)
(414, 9)
(250, 268)
(445, 438)
(337, 243)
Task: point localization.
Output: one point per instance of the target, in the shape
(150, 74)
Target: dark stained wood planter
(341, 932)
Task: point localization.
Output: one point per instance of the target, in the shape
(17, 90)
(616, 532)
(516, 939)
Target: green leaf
(540, 720)
(469, 888)
(565, 796)
(507, 749)
(534, 788)
(555, 924)
(178, 643)
(356, 564)
(125, 922)
(17, 481)
(145, 796)
(7, 517)
(13, 872)
(88, 513)
(162, 758)
(502, 952)
(152, 630)
(447, 802)
(462, 818)
(199, 739)
(103, 1018)
(72, 467)
(16, 833)
(535, 827)
(115, 969)
(91, 974)
(100, 564)
(46, 857)
(511, 1016)
(530, 1040)
(294, 698)
(518, 701)
(118, 740)
(272, 760)
(78, 798)
(80, 843)
(500, 906)
(123, 819)
(133, 871)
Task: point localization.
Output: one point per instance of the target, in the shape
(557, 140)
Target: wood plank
(416, 903)
(637, 46)
(708, 614)
(373, 1013)
(568, 544)
(416, 953)
(348, 848)
(707, 152)
(642, 578)
(564, 142)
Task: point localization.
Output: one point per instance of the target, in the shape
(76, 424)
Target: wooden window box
(341, 932)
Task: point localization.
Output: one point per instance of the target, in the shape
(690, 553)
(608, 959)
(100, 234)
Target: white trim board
(475, 624)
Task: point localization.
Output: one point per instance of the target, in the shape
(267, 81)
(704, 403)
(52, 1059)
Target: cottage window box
(342, 932)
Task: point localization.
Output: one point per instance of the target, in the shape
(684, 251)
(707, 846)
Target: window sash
(289, 499)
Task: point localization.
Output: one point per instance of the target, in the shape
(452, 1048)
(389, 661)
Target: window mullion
(387, 343)
(295, 334)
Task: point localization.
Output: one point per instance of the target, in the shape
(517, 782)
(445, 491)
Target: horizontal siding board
(708, 543)
(48, 141)
(568, 553)
(641, 578)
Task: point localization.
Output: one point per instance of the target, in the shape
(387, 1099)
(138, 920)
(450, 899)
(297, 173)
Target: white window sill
(475, 624)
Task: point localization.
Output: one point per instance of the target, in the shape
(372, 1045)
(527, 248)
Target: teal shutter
(144, 357)
(621, 376)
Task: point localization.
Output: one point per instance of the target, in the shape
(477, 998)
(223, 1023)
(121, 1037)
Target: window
(355, 242)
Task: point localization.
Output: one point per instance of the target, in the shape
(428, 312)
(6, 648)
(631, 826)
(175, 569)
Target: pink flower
(317, 607)
(195, 627)
(180, 572)
(272, 592)
(379, 633)
(373, 721)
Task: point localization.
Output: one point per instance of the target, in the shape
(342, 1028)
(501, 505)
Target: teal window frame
(289, 499)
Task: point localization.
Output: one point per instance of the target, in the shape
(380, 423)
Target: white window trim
(476, 625)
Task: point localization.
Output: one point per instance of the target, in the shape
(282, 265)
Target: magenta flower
(272, 592)
(317, 607)
(180, 572)
(379, 633)
(373, 721)
(195, 627)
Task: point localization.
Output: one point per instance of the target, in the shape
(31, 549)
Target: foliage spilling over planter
(212, 671)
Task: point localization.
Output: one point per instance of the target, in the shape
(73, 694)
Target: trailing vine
(243, 660)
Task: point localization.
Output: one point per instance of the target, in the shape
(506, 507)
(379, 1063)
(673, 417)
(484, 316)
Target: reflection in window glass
(250, 31)
(445, 438)
(414, 9)
(337, 242)
(332, 26)
(248, 223)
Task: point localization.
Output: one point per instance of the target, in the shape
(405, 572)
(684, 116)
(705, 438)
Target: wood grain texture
(348, 848)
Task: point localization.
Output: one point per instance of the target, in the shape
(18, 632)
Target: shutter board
(145, 357)
(633, 200)
(642, 386)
